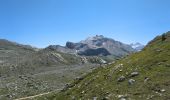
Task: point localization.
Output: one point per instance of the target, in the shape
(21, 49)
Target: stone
(82, 92)
(94, 98)
(73, 98)
(121, 79)
(146, 79)
(162, 90)
(103, 61)
(79, 78)
(158, 50)
(131, 81)
(167, 65)
(133, 74)
(105, 98)
(9, 96)
(84, 60)
(122, 97)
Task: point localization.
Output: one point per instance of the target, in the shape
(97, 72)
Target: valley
(26, 71)
(141, 76)
(84, 50)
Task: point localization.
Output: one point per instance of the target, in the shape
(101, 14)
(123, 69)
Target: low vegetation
(141, 76)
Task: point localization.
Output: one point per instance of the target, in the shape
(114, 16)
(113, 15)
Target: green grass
(153, 62)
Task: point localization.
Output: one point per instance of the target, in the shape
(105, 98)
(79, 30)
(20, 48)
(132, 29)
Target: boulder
(103, 61)
(122, 97)
(146, 79)
(79, 78)
(94, 98)
(162, 90)
(121, 79)
(131, 81)
(133, 74)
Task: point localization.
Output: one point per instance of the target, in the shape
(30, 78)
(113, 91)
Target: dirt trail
(31, 97)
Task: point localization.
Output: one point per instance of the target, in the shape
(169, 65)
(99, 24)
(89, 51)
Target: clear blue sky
(43, 22)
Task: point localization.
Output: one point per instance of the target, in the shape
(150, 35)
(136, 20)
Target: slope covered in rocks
(26, 71)
(141, 76)
(10, 51)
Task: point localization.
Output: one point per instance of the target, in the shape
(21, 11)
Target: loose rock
(79, 78)
(162, 90)
(122, 97)
(133, 74)
(146, 79)
(131, 81)
(94, 98)
(121, 79)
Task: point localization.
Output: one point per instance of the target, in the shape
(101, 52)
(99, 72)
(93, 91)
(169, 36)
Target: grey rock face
(96, 46)
(94, 52)
(70, 45)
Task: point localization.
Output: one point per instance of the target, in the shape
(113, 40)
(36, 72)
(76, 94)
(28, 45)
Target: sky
(53, 22)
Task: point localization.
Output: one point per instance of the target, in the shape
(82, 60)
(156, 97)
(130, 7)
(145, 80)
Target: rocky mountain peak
(92, 39)
(97, 45)
(137, 46)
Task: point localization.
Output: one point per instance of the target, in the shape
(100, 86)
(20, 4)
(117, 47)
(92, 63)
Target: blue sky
(43, 22)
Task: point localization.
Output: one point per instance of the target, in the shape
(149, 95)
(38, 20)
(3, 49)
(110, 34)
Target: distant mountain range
(96, 46)
(26, 70)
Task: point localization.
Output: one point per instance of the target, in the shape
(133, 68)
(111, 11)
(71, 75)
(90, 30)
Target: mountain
(137, 46)
(10, 51)
(96, 46)
(143, 75)
(25, 70)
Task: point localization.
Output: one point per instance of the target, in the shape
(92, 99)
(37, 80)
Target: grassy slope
(153, 62)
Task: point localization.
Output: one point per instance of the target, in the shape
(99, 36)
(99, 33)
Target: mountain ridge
(25, 70)
(140, 76)
(91, 44)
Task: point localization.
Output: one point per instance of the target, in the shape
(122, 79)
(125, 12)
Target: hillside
(141, 76)
(26, 71)
(10, 51)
